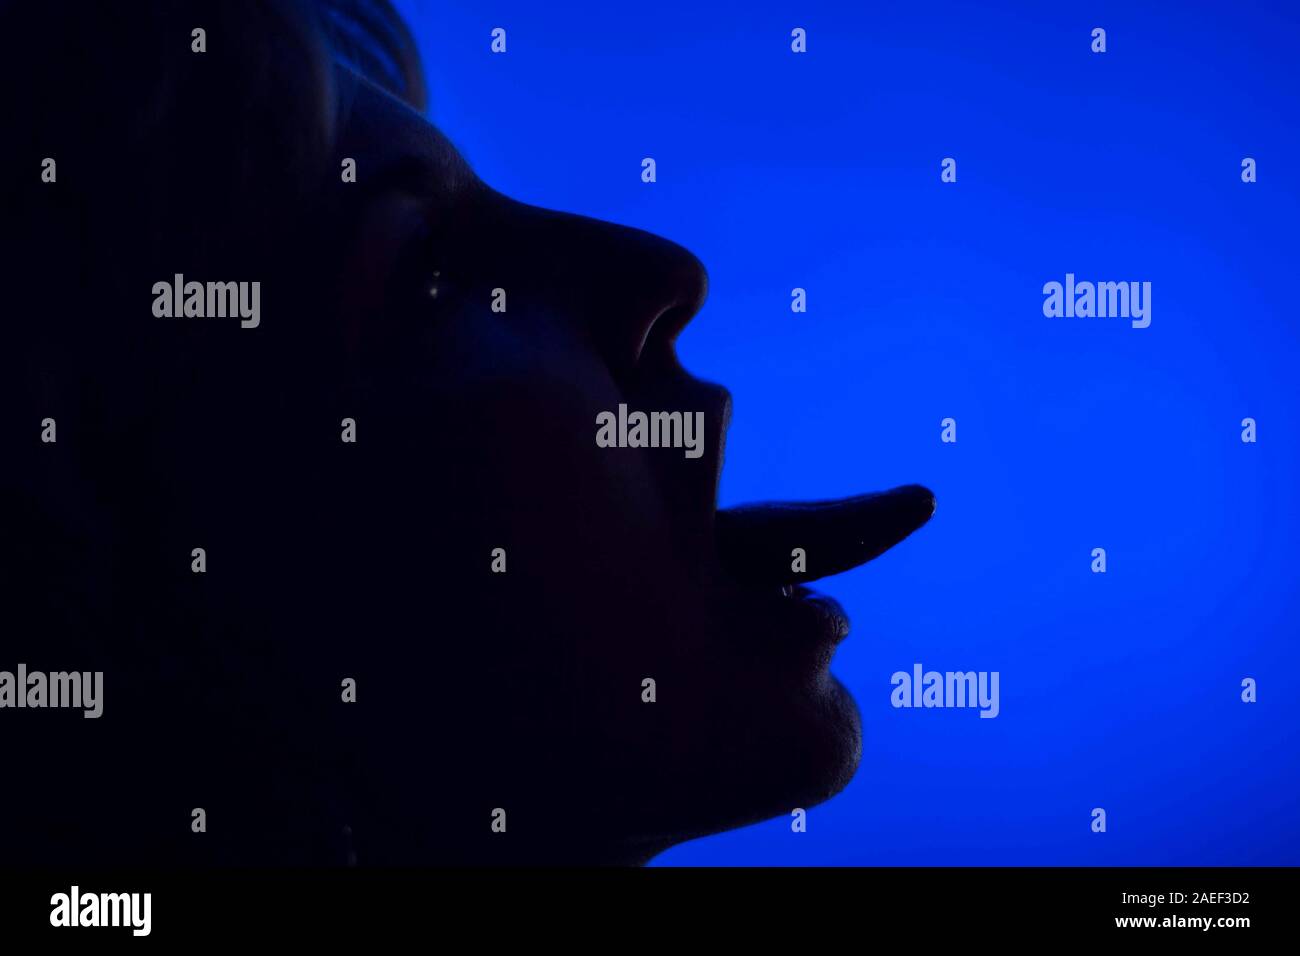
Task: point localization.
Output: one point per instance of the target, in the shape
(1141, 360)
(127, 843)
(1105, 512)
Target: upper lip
(756, 543)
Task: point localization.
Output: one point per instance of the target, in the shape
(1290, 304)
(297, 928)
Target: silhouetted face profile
(454, 609)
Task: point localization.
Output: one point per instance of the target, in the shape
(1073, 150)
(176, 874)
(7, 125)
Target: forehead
(394, 146)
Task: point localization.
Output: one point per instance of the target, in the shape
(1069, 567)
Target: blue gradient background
(821, 170)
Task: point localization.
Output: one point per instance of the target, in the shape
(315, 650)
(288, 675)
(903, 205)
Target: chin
(807, 752)
(832, 746)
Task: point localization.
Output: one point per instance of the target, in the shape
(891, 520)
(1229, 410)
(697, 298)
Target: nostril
(657, 346)
(672, 320)
(684, 286)
(637, 291)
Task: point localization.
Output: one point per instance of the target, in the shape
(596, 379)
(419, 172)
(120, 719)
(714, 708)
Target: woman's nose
(627, 289)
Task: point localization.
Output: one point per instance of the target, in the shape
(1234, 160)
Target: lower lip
(821, 612)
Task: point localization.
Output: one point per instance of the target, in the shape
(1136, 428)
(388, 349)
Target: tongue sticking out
(755, 541)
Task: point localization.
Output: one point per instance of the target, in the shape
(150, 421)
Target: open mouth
(777, 547)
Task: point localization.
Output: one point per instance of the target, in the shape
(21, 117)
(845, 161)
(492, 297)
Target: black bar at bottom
(870, 904)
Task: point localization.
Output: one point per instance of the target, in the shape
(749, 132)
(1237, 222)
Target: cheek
(587, 535)
(523, 397)
(532, 442)
(365, 272)
(587, 525)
